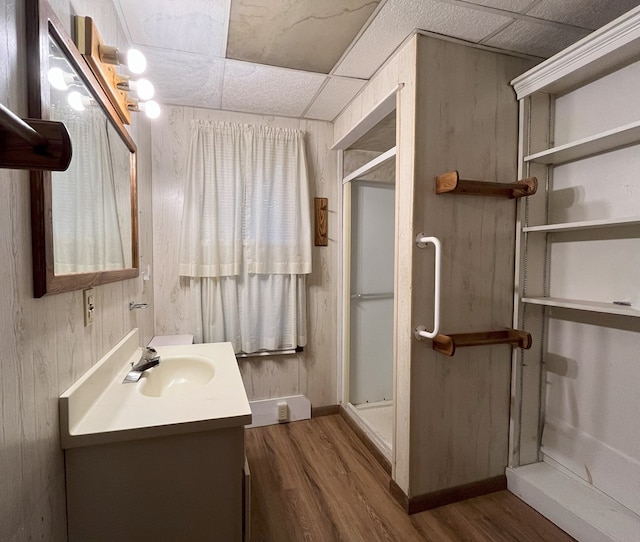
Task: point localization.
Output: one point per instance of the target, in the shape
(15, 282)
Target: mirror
(84, 219)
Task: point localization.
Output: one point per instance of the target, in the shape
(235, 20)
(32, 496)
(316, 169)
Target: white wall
(45, 346)
(311, 373)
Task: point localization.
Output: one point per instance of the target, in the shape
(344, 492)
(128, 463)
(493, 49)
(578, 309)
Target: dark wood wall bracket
(33, 143)
(451, 183)
(321, 230)
(447, 344)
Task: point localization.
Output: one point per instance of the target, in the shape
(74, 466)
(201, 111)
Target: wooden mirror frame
(41, 24)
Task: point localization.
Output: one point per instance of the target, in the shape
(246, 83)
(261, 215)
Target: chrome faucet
(150, 358)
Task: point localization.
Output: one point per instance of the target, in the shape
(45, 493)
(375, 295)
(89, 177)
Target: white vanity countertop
(99, 408)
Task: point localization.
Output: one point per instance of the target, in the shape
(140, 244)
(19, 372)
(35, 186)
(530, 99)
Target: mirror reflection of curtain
(86, 229)
(246, 234)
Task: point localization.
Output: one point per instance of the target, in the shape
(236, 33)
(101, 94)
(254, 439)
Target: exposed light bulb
(75, 101)
(136, 62)
(59, 79)
(143, 88)
(150, 108)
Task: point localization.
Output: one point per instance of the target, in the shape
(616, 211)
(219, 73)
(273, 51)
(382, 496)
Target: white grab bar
(421, 331)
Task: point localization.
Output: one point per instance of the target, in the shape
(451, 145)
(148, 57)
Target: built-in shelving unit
(562, 463)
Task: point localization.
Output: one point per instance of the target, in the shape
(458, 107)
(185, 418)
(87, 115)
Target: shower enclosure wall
(453, 110)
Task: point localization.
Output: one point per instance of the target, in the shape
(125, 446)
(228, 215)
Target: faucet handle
(149, 352)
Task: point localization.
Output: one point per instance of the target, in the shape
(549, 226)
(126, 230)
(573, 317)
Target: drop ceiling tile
(334, 97)
(517, 6)
(184, 78)
(307, 36)
(535, 39)
(398, 18)
(590, 14)
(194, 26)
(268, 90)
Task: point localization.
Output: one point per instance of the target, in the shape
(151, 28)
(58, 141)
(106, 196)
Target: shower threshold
(376, 421)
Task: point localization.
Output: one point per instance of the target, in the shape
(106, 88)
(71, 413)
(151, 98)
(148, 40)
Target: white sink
(176, 375)
(196, 387)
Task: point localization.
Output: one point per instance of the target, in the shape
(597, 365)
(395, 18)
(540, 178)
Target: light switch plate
(89, 306)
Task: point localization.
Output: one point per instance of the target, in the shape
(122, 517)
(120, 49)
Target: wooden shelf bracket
(451, 183)
(447, 344)
(33, 143)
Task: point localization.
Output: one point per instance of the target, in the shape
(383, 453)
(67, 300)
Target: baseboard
(327, 410)
(377, 454)
(427, 501)
(265, 412)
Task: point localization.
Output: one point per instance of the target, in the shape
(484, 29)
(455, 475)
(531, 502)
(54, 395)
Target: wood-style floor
(314, 480)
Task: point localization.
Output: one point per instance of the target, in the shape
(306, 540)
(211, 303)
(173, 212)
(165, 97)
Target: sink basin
(176, 375)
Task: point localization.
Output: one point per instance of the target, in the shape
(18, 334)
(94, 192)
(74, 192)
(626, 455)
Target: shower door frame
(387, 105)
(344, 392)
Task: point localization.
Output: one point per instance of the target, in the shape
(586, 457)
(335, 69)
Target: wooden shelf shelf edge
(447, 344)
(451, 183)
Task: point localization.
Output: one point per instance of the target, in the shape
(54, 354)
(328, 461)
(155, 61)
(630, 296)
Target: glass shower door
(371, 292)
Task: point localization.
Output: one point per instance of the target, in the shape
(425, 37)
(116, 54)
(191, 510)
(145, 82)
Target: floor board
(314, 480)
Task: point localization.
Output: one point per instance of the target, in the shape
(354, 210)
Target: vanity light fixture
(133, 59)
(103, 60)
(142, 87)
(150, 108)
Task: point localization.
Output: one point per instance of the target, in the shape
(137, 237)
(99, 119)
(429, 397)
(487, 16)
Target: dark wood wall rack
(447, 344)
(33, 143)
(451, 183)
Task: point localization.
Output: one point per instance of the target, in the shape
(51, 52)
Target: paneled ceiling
(309, 58)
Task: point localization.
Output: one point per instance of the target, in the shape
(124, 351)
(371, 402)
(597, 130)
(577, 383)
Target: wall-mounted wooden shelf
(33, 143)
(451, 183)
(447, 344)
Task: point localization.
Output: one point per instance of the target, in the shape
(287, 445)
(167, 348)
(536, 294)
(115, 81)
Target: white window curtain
(246, 234)
(86, 231)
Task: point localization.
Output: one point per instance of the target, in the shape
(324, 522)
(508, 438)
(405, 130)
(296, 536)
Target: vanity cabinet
(575, 438)
(170, 489)
(160, 459)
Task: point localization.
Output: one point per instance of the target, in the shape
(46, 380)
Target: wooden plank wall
(45, 346)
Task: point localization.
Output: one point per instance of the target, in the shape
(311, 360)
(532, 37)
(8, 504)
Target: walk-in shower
(369, 279)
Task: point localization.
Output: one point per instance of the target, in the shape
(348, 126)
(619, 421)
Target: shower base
(376, 421)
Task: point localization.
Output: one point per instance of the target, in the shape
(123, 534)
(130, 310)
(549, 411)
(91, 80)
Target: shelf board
(609, 140)
(451, 183)
(446, 344)
(591, 306)
(585, 224)
(573, 504)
